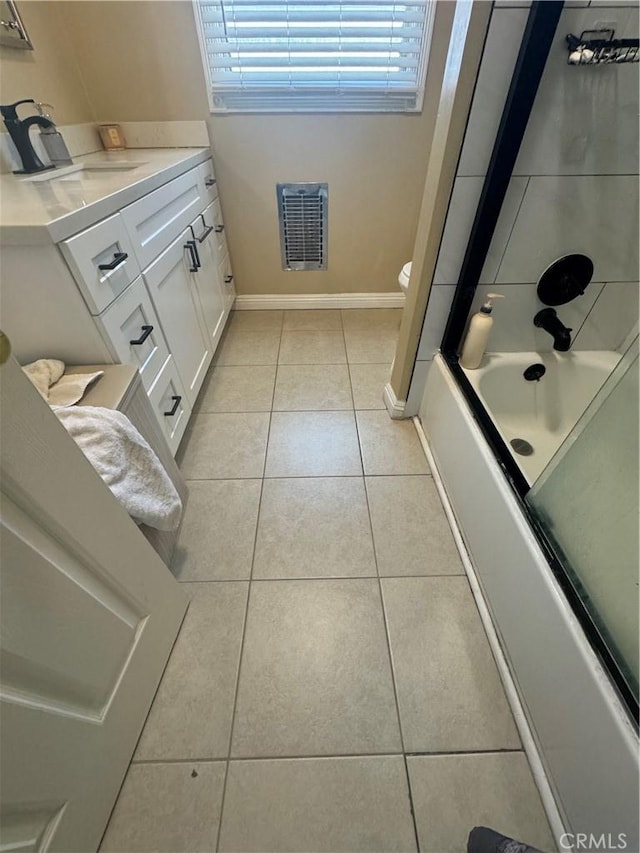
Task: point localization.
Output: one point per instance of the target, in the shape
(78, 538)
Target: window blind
(359, 55)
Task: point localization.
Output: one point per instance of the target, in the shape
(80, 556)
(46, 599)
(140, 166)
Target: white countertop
(35, 211)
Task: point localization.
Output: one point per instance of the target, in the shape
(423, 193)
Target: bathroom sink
(84, 171)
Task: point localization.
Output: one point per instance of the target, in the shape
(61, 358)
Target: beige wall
(140, 61)
(375, 167)
(50, 72)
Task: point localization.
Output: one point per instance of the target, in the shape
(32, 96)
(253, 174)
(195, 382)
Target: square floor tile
(390, 446)
(449, 691)
(410, 530)
(167, 808)
(320, 320)
(238, 389)
(218, 532)
(371, 318)
(313, 444)
(315, 676)
(367, 383)
(225, 446)
(301, 387)
(312, 348)
(454, 793)
(249, 347)
(256, 321)
(322, 804)
(371, 346)
(316, 527)
(191, 714)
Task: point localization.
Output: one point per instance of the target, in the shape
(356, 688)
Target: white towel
(125, 462)
(58, 389)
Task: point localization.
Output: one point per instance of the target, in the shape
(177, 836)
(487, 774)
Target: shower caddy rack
(601, 51)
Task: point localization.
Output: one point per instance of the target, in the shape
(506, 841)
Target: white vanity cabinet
(148, 284)
(174, 293)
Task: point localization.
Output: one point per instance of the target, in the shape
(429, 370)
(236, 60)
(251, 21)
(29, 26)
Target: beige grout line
(246, 612)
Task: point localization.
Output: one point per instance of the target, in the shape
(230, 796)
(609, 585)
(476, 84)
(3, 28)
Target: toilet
(403, 278)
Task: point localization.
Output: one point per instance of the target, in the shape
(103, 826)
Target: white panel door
(89, 614)
(210, 289)
(173, 291)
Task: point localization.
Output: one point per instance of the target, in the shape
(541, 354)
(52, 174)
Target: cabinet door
(174, 294)
(210, 289)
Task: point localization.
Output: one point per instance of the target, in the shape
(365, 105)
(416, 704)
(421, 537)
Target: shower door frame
(534, 50)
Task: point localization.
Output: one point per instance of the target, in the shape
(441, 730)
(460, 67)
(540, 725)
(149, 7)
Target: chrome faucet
(548, 320)
(19, 132)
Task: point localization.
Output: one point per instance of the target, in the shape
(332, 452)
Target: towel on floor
(126, 463)
(48, 375)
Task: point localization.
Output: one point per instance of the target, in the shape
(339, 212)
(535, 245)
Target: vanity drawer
(209, 185)
(218, 227)
(132, 327)
(170, 405)
(105, 245)
(225, 278)
(155, 220)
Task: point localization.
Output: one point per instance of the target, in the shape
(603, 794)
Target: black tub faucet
(548, 320)
(19, 131)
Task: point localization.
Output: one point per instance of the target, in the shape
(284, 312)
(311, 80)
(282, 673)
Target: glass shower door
(586, 501)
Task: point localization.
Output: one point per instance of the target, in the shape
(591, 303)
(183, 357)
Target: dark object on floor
(485, 840)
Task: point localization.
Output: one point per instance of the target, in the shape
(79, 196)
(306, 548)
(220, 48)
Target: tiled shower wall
(574, 189)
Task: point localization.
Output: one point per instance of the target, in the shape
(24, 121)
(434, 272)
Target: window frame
(313, 102)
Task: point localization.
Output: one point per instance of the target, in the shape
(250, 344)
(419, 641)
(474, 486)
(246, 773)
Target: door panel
(89, 614)
(175, 298)
(52, 597)
(210, 289)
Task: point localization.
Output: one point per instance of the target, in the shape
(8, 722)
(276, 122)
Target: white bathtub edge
(530, 747)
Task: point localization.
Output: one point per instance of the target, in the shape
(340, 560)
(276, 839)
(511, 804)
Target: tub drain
(521, 446)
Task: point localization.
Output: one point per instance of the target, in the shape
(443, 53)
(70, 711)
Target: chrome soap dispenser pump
(52, 140)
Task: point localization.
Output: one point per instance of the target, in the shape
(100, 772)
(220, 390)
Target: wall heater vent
(302, 213)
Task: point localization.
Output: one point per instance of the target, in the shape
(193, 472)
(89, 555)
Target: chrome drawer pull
(219, 229)
(228, 279)
(209, 182)
(118, 258)
(146, 331)
(176, 402)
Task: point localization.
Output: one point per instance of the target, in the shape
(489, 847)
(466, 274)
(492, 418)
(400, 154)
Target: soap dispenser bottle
(52, 140)
(477, 338)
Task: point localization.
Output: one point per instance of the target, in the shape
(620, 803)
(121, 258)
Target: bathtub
(542, 412)
(584, 739)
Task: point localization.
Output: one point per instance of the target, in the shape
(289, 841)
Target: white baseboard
(395, 407)
(292, 301)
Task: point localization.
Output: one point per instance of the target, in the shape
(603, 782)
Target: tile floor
(331, 688)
